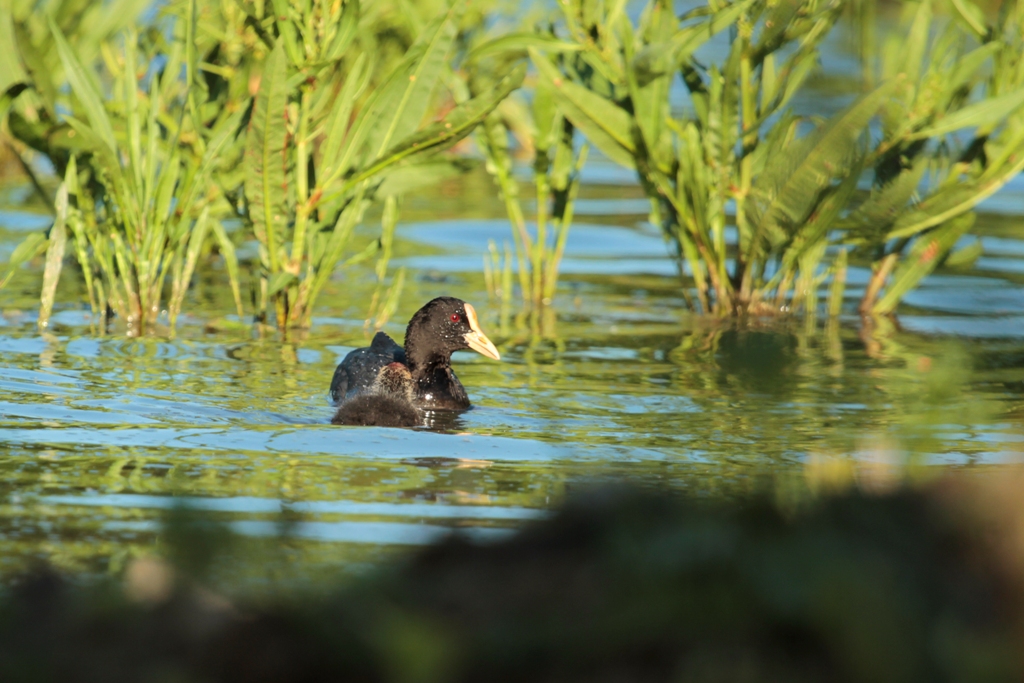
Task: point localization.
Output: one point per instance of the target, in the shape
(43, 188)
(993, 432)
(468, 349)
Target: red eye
(455, 317)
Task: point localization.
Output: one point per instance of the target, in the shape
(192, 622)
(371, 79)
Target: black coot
(388, 402)
(443, 326)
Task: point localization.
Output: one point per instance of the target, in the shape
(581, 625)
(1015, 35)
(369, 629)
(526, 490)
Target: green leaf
(786, 191)
(54, 257)
(108, 18)
(367, 253)
(396, 107)
(85, 89)
(346, 30)
(39, 69)
(797, 69)
(965, 257)
(916, 43)
(722, 130)
(825, 213)
(264, 151)
(30, 247)
(131, 98)
(605, 124)
(546, 118)
(11, 71)
(288, 32)
(769, 80)
(780, 17)
(279, 282)
(985, 113)
(164, 191)
(196, 239)
(459, 123)
(223, 134)
(107, 163)
(391, 299)
(944, 205)
(650, 96)
(925, 255)
(516, 45)
(972, 16)
(356, 81)
(417, 176)
(405, 96)
(885, 204)
(227, 251)
(968, 65)
(324, 267)
(778, 138)
(947, 202)
(664, 56)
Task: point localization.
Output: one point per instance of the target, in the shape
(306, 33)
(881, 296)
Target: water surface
(102, 436)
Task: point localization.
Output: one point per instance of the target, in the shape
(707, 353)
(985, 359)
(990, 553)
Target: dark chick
(442, 327)
(388, 402)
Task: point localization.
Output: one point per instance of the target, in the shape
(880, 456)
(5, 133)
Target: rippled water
(101, 436)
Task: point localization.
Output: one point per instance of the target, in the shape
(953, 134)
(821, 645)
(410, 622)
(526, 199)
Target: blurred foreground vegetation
(179, 137)
(853, 584)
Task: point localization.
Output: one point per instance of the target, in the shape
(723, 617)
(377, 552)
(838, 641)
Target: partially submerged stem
(301, 185)
(877, 281)
(838, 286)
(555, 260)
(748, 104)
(537, 254)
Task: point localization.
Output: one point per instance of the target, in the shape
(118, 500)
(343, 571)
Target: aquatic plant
(543, 129)
(789, 183)
(296, 150)
(280, 123)
(134, 198)
(311, 197)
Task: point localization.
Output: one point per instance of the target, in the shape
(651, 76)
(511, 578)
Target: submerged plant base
(625, 583)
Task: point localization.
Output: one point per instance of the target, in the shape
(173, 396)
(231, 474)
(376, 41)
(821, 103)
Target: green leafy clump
(283, 118)
(311, 196)
(788, 184)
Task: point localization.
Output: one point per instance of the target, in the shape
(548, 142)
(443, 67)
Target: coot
(388, 402)
(443, 326)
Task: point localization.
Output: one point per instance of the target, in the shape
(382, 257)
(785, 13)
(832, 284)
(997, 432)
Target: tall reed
(556, 175)
(543, 129)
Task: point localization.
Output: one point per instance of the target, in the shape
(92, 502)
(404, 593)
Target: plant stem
(551, 277)
(876, 283)
(540, 245)
(835, 294)
(301, 186)
(748, 102)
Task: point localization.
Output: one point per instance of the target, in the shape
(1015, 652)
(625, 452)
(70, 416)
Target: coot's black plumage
(388, 402)
(443, 326)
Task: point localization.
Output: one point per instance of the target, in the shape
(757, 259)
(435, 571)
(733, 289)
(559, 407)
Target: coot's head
(443, 326)
(394, 379)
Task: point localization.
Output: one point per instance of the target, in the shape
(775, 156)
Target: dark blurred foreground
(620, 585)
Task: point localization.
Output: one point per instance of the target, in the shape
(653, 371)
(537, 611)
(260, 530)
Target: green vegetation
(795, 191)
(289, 118)
(179, 139)
(545, 131)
